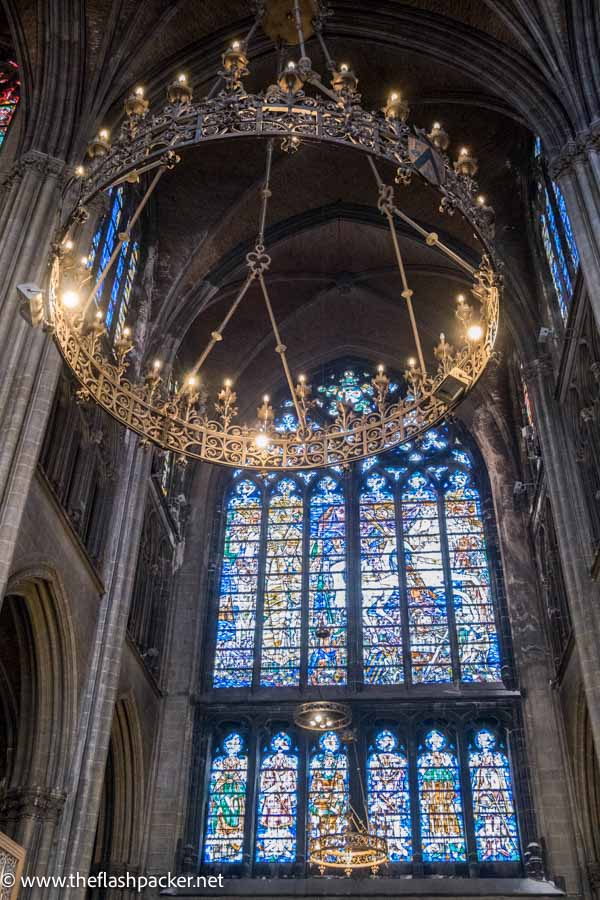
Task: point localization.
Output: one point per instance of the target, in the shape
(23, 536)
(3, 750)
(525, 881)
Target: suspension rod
(280, 349)
(298, 18)
(266, 193)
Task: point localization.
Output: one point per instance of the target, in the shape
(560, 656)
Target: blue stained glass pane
(327, 626)
(227, 803)
(238, 588)
(328, 796)
(496, 832)
(558, 244)
(473, 605)
(442, 829)
(427, 610)
(277, 803)
(128, 286)
(382, 630)
(352, 387)
(537, 148)
(110, 239)
(562, 207)
(388, 796)
(554, 268)
(280, 663)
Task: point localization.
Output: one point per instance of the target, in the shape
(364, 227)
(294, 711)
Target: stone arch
(38, 681)
(119, 833)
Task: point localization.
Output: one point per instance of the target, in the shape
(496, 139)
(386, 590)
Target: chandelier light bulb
(157, 365)
(464, 151)
(460, 298)
(437, 126)
(291, 65)
(69, 244)
(394, 97)
(191, 381)
(71, 299)
(227, 382)
(103, 134)
(84, 260)
(301, 378)
(475, 333)
(80, 171)
(262, 441)
(266, 398)
(235, 45)
(344, 68)
(126, 332)
(99, 315)
(139, 91)
(181, 78)
(412, 362)
(481, 200)
(380, 369)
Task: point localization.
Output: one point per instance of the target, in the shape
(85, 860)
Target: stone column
(29, 363)
(572, 531)
(577, 171)
(532, 657)
(78, 825)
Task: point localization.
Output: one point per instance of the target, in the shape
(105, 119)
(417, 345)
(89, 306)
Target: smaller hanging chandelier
(323, 715)
(358, 847)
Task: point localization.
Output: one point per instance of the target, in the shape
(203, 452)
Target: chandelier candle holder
(299, 108)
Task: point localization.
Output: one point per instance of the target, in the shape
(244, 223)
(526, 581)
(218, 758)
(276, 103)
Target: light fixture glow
(475, 332)
(261, 441)
(71, 299)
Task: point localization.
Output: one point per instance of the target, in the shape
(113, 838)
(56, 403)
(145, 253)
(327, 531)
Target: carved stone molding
(575, 151)
(35, 803)
(537, 368)
(40, 163)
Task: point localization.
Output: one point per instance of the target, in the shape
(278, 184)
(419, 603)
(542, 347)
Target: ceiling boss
(303, 106)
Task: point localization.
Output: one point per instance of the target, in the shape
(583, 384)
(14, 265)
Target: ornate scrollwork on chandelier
(179, 420)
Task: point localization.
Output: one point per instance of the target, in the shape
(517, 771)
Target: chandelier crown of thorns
(299, 108)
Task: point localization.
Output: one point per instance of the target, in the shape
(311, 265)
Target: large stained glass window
(328, 791)
(471, 591)
(278, 806)
(420, 575)
(425, 584)
(493, 807)
(442, 830)
(381, 622)
(277, 802)
(283, 588)
(389, 796)
(327, 654)
(556, 233)
(234, 659)
(9, 95)
(224, 840)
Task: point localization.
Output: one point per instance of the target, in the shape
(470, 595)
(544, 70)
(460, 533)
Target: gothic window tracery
(9, 95)
(424, 586)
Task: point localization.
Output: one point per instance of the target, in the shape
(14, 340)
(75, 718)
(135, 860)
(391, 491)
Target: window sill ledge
(310, 888)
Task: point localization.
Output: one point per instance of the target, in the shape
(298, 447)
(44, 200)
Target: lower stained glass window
(277, 802)
(493, 808)
(327, 654)
(442, 831)
(328, 791)
(227, 803)
(389, 796)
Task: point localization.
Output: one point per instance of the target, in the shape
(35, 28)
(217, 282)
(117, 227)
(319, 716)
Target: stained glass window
(493, 808)
(425, 584)
(280, 661)
(327, 653)
(473, 605)
(328, 791)
(556, 233)
(227, 803)
(382, 629)
(389, 796)
(442, 830)
(9, 95)
(352, 387)
(238, 588)
(277, 802)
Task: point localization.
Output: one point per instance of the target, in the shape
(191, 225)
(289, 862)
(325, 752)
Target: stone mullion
(252, 790)
(415, 808)
(260, 589)
(354, 599)
(450, 608)
(305, 588)
(467, 802)
(77, 831)
(403, 586)
(573, 533)
(302, 823)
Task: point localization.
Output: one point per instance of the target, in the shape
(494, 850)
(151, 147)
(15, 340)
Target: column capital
(575, 150)
(32, 802)
(537, 368)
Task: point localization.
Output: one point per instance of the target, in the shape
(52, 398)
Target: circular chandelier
(299, 108)
(357, 846)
